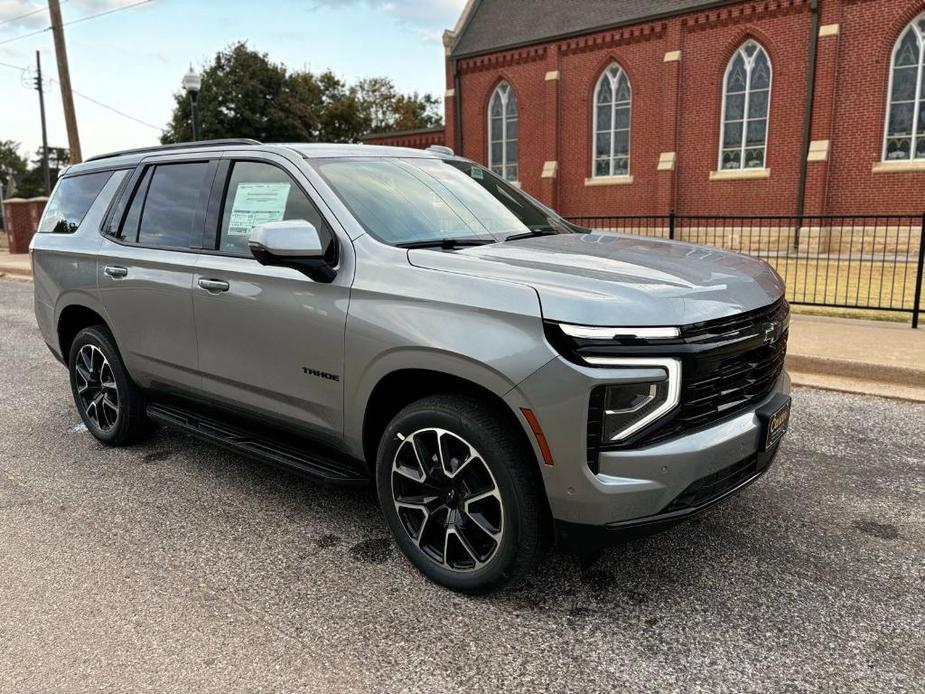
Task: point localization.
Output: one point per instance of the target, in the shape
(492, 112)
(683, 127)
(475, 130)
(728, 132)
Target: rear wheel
(460, 493)
(111, 406)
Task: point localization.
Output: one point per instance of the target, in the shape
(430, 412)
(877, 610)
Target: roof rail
(179, 145)
(441, 149)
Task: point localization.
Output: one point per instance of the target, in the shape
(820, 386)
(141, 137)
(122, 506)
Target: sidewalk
(857, 356)
(846, 354)
(16, 265)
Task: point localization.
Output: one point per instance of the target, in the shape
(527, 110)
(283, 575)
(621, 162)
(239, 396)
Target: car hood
(616, 279)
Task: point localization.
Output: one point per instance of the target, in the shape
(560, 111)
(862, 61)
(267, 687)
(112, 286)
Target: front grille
(727, 365)
(711, 487)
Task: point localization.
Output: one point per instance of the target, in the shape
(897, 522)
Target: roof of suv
(308, 150)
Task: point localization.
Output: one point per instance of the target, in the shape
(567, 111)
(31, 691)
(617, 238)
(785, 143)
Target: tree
(388, 109)
(413, 111)
(32, 183)
(12, 167)
(343, 117)
(244, 94)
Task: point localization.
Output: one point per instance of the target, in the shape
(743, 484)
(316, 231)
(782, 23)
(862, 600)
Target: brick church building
(620, 107)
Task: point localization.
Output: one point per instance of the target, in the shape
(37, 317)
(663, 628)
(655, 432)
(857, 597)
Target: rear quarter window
(70, 202)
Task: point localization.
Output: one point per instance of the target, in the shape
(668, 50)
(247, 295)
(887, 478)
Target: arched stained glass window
(502, 132)
(612, 103)
(746, 101)
(905, 126)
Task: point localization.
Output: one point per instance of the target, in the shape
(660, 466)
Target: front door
(270, 339)
(145, 273)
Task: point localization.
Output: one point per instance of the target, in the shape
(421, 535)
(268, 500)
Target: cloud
(12, 16)
(21, 16)
(426, 18)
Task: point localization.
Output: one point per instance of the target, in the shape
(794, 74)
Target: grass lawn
(862, 282)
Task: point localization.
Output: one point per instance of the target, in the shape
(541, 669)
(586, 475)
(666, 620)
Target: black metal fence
(849, 262)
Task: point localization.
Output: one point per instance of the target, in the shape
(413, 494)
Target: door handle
(214, 285)
(115, 271)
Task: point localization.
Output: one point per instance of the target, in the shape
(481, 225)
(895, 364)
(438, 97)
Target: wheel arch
(399, 388)
(72, 318)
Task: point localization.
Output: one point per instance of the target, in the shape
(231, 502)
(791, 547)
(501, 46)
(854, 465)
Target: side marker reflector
(538, 433)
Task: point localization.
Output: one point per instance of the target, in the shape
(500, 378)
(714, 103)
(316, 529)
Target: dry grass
(858, 283)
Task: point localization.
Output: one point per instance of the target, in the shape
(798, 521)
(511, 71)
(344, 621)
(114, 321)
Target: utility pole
(64, 77)
(39, 87)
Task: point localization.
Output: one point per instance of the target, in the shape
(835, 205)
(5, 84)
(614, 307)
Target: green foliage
(25, 179)
(12, 166)
(244, 94)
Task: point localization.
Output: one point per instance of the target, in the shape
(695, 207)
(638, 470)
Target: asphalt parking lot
(175, 565)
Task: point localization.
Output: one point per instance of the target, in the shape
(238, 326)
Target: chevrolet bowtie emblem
(770, 333)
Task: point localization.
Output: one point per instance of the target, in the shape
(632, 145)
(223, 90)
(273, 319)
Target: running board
(328, 467)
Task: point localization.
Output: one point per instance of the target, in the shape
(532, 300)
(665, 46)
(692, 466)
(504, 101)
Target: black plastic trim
(265, 444)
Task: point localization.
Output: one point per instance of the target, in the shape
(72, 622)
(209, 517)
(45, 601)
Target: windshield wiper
(448, 244)
(541, 231)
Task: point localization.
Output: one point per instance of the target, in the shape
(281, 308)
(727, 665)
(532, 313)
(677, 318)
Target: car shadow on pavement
(633, 575)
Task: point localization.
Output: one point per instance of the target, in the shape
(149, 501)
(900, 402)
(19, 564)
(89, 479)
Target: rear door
(271, 340)
(146, 266)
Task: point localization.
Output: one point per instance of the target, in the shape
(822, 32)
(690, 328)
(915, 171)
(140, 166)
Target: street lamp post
(192, 82)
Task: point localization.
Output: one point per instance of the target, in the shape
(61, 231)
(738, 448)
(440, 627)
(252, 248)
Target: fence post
(671, 222)
(916, 306)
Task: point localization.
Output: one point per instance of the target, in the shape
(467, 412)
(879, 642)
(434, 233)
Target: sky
(133, 60)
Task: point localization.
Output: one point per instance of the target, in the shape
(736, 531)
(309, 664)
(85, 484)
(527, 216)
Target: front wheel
(461, 494)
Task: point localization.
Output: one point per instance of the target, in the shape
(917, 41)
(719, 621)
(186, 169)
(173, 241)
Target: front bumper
(633, 487)
(581, 538)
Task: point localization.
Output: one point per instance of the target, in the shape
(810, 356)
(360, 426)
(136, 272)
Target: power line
(99, 103)
(14, 67)
(103, 14)
(27, 14)
(110, 108)
(76, 21)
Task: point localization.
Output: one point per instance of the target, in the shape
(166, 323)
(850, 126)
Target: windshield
(403, 201)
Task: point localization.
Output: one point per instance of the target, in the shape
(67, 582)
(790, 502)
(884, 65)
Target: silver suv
(407, 317)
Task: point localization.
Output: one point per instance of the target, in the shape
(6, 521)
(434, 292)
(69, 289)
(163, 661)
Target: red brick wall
(868, 33)
(677, 107)
(417, 139)
(706, 49)
(22, 219)
(525, 73)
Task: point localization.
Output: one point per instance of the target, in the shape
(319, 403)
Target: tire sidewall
(415, 418)
(101, 340)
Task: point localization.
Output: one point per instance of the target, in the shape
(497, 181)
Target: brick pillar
(817, 170)
(22, 219)
(668, 123)
(549, 189)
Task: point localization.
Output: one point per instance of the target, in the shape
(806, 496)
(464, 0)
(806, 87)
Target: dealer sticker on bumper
(775, 419)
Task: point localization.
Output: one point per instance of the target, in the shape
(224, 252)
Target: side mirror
(292, 243)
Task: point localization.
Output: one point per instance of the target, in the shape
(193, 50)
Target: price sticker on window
(257, 203)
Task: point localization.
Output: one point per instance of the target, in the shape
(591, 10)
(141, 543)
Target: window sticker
(257, 203)
(476, 173)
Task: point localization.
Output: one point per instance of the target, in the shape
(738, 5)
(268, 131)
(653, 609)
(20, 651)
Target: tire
(110, 404)
(481, 497)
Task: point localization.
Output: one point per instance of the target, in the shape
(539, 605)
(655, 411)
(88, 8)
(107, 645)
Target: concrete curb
(857, 370)
(857, 387)
(15, 273)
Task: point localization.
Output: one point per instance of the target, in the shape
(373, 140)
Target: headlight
(631, 406)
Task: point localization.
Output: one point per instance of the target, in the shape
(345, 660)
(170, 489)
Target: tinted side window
(70, 201)
(129, 229)
(171, 207)
(260, 193)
